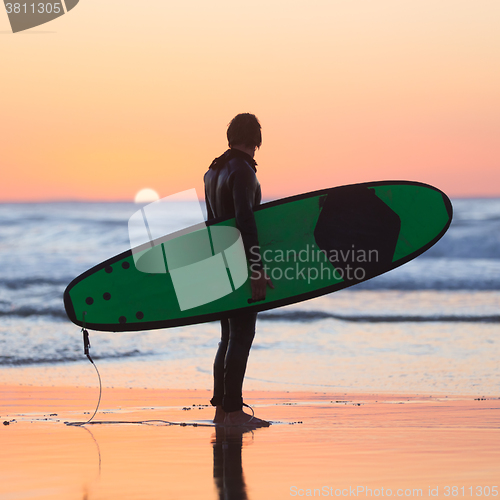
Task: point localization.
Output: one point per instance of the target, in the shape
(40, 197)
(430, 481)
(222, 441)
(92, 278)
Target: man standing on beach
(232, 190)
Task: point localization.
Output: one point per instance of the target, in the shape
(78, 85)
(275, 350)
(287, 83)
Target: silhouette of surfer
(232, 190)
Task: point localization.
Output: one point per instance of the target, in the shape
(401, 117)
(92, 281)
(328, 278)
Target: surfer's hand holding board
(259, 282)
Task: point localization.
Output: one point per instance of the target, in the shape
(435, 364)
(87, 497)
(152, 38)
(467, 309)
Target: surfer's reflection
(228, 471)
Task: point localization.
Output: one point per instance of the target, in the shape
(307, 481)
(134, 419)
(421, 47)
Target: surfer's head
(244, 130)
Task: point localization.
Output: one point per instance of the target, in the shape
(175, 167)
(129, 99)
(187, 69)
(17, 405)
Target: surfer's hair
(244, 130)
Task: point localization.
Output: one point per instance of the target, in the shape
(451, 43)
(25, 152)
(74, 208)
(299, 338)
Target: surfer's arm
(244, 190)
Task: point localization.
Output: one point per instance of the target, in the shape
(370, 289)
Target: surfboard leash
(86, 351)
(86, 347)
(253, 414)
(141, 422)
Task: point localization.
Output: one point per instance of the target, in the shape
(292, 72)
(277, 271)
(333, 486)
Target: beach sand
(320, 445)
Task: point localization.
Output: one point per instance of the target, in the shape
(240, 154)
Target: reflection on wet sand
(97, 445)
(228, 469)
(228, 475)
(343, 441)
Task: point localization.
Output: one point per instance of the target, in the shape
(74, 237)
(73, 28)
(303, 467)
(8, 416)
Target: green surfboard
(311, 244)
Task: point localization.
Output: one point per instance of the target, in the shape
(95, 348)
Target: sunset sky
(120, 95)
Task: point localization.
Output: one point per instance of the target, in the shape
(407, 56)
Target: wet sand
(320, 445)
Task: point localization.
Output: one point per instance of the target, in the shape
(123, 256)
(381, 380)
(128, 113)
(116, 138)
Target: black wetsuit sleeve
(210, 214)
(245, 187)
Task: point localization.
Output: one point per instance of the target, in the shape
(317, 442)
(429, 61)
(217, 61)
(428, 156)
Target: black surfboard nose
(357, 231)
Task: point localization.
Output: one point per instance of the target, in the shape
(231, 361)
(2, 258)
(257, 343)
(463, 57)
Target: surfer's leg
(219, 372)
(241, 334)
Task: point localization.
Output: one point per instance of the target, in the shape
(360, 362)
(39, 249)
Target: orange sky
(115, 96)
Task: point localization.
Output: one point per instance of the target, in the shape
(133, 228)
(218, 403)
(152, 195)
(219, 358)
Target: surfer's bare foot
(220, 414)
(234, 418)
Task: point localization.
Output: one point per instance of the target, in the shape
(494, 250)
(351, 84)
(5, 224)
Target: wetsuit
(232, 190)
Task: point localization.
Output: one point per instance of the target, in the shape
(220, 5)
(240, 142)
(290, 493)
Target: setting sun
(146, 195)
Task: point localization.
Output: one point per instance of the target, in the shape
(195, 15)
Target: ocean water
(431, 326)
